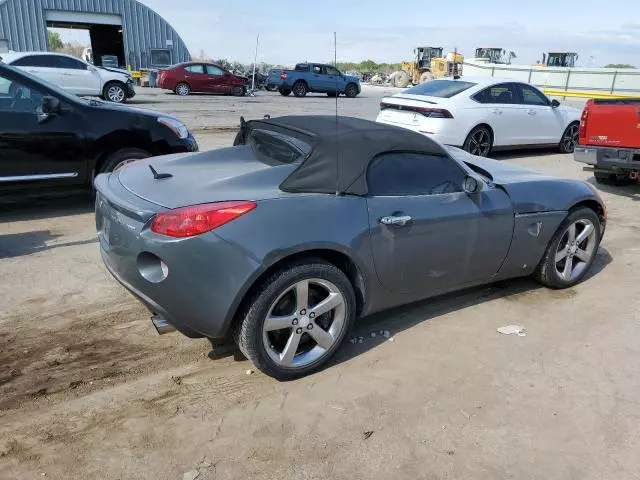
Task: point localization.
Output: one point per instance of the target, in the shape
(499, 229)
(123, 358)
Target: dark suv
(50, 138)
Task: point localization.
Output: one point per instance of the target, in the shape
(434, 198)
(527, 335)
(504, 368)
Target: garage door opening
(105, 39)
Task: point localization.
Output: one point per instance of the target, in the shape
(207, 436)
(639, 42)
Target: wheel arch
(331, 254)
(488, 127)
(592, 204)
(120, 140)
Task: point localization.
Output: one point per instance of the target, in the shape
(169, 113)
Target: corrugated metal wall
(23, 24)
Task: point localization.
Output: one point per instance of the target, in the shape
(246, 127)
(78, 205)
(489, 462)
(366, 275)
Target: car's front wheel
(238, 91)
(120, 158)
(285, 92)
(479, 142)
(569, 139)
(571, 251)
(296, 321)
(351, 91)
(114, 92)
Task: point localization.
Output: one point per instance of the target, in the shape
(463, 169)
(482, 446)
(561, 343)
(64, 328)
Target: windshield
(275, 148)
(440, 88)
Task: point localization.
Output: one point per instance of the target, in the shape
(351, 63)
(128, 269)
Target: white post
(255, 60)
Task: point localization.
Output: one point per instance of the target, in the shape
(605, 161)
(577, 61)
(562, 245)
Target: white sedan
(481, 114)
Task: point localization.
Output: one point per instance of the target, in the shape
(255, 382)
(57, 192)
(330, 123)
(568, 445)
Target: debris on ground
(177, 380)
(512, 330)
(392, 339)
(368, 434)
(249, 372)
(191, 475)
(374, 334)
(386, 334)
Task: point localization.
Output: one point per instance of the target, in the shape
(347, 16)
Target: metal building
(126, 29)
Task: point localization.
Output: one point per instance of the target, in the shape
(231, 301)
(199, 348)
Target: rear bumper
(195, 283)
(608, 158)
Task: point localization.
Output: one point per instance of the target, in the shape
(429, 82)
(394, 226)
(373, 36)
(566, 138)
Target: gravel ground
(88, 390)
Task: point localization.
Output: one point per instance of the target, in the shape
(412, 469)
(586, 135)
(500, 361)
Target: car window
(316, 69)
(328, 70)
(302, 67)
(501, 93)
(48, 61)
(195, 68)
(16, 97)
(440, 88)
(397, 174)
(213, 70)
(71, 63)
(531, 96)
(274, 148)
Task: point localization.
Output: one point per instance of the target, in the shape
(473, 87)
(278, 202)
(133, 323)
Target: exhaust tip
(161, 325)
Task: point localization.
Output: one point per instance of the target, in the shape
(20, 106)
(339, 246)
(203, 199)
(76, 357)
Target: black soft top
(341, 149)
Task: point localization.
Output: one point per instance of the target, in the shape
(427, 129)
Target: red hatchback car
(185, 78)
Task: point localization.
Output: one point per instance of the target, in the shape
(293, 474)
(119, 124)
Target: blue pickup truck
(313, 78)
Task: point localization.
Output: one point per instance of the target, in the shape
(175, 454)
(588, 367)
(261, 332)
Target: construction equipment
(558, 59)
(428, 64)
(494, 55)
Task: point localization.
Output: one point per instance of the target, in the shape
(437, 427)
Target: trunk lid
(231, 173)
(612, 123)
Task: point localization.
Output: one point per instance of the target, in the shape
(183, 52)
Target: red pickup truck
(609, 140)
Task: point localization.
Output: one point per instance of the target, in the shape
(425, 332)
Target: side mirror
(50, 105)
(471, 185)
(555, 103)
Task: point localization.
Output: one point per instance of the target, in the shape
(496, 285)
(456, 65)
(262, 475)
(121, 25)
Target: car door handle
(496, 110)
(531, 112)
(398, 221)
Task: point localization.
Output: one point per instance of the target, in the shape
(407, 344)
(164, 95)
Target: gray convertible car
(308, 222)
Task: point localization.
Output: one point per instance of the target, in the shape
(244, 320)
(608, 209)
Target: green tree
(619, 65)
(55, 42)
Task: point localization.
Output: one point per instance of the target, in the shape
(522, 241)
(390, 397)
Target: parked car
(313, 78)
(51, 138)
(74, 75)
(483, 114)
(609, 140)
(279, 243)
(188, 77)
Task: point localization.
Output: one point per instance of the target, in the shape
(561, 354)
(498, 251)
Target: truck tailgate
(613, 123)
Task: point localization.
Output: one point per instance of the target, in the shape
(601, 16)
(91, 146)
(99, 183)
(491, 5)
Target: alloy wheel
(304, 323)
(115, 94)
(480, 143)
(182, 90)
(570, 139)
(576, 249)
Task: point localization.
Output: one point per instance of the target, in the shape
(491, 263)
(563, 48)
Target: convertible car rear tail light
(426, 111)
(198, 219)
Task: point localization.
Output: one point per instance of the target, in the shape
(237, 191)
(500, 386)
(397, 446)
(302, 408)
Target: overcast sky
(385, 30)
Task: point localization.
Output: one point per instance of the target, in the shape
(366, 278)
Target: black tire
(351, 91)
(183, 89)
(238, 91)
(271, 88)
(546, 272)
(284, 92)
(123, 155)
(115, 92)
(569, 138)
(475, 146)
(300, 89)
(616, 179)
(249, 333)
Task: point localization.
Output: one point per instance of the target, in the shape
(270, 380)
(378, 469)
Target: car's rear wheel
(114, 92)
(351, 91)
(285, 92)
(238, 91)
(617, 179)
(183, 89)
(296, 321)
(120, 158)
(300, 89)
(571, 251)
(569, 139)
(479, 141)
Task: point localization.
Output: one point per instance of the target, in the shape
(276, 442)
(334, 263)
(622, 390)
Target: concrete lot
(89, 390)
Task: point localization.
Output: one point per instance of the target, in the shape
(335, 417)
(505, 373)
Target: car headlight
(177, 127)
